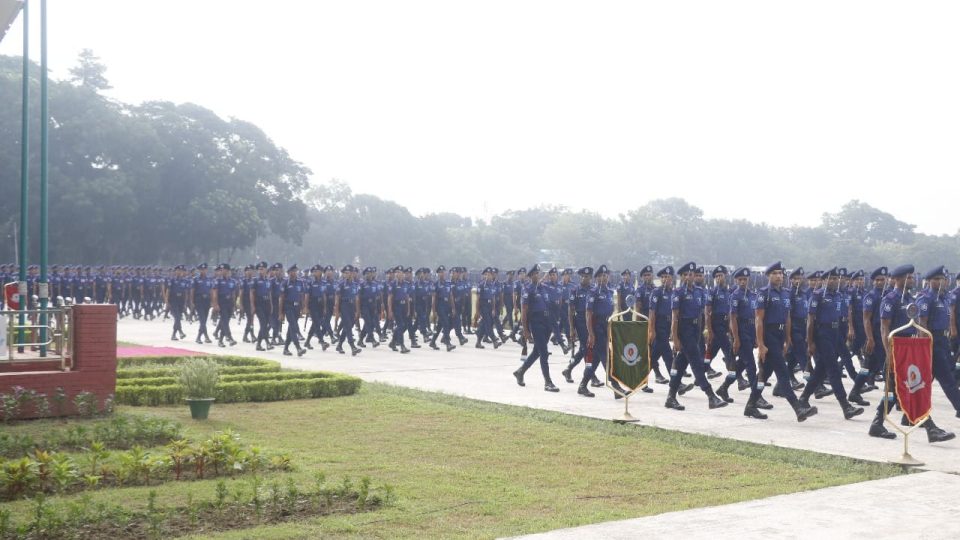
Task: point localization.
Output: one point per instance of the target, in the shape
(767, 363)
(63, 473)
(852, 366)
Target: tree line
(165, 183)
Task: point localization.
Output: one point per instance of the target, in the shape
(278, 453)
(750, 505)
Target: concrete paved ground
(486, 375)
(913, 506)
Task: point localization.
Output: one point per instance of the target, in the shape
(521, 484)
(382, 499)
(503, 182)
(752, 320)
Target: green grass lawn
(464, 468)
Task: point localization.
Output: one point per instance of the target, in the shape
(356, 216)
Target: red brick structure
(93, 363)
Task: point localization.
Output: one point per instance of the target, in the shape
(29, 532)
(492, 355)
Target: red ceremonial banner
(913, 373)
(11, 296)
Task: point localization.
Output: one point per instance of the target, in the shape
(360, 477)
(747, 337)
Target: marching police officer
(686, 332)
(486, 300)
(658, 330)
(773, 326)
(718, 329)
(292, 301)
(176, 299)
(346, 308)
(823, 340)
(399, 307)
(224, 300)
(535, 317)
(937, 316)
(599, 309)
(200, 300)
(743, 306)
(578, 321)
(444, 306)
(316, 305)
(625, 289)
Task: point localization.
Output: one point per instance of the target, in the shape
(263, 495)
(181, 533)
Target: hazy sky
(764, 110)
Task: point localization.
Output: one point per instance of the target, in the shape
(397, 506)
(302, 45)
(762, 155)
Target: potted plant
(199, 378)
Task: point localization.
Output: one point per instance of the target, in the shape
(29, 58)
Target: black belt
(829, 325)
(775, 326)
(749, 320)
(944, 333)
(691, 320)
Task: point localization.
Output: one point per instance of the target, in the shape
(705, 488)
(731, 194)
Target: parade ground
(486, 375)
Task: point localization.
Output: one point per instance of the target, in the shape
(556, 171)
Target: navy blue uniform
(600, 305)
(292, 295)
(263, 306)
(202, 286)
(370, 293)
(743, 306)
(661, 305)
(718, 299)
(537, 302)
(775, 304)
(936, 309)
(688, 304)
(487, 293)
(826, 313)
(347, 293)
(226, 300)
(177, 300)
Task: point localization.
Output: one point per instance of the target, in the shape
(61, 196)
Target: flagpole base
(907, 461)
(626, 416)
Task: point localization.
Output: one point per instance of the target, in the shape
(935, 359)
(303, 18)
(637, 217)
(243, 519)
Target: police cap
(689, 267)
(903, 270)
(719, 270)
(646, 270)
(441, 268)
(586, 271)
(773, 268)
(879, 272)
(601, 270)
(201, 266)
(665, 271)
(798, 273)
(939, 271)
(743, 272)
(535, 269)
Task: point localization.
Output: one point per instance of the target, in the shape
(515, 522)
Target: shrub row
(333, 385)
(158, 361)
(150, 373)
(241, 377)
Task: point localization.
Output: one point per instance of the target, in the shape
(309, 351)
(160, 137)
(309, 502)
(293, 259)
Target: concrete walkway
(900, 507)
(486, 375)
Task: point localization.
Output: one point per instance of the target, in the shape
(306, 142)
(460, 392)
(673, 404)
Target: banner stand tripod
(905, 459)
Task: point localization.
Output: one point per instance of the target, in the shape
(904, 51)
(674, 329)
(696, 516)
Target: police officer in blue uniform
(743, 306)
(686, 331)
(293, 298)
(176, 300)
(370, 292)
(261, 291)
(642, 293)
(773, 326)
(846, 333)
(224, 300)
(316, 306)
(797, 357)
(535, 317)
(823, 341)
(346, 308)
(935, 304)
(422, 300)
(399, 307)
(600, 306)
(444, 306)
(660, 314)
(625, 289)
(554, 297)
(718, 329)
(487, 293)
(577, 303)
(873, 350)
(200, 300)
(894, 315)
(858, 338)
(508, 303)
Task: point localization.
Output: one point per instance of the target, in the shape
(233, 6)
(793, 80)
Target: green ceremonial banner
(630, 357)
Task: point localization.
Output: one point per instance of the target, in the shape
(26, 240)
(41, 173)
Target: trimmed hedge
(172, 371)
(158, 361)
(331, 385)
(241, 377)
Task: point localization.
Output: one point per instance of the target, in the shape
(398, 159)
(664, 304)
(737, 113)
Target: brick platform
(93, 366)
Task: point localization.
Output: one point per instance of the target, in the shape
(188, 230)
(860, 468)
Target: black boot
(713, 401)
(301, 351)
(849, 411)
(724, 391)
(567, 374)
(712, 373)
(803, 411)
(518, 375)
(583, 390)
(855, 397)
(672, 402)
(752, 411)
(742, 384)
(595, 382)
(286, 352)
(822, 392)
(660, 379)
(684, 388)
(404, 349)
(877, 429)
(548, 386)
(763, 404)
(935, 434)
(354, 350)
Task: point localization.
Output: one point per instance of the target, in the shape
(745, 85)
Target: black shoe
(518, 375)
(308, 345)
(849, 411)
(868, 388)
(646, 390)
(450, 347)
(672, 403)
(804, 411)
(361, 344)
(763, 404)
(742, 384)
(479, 346)
(935, 434)
(724, 394)
(904, 421)
(549, 387)
(752, 411)
(206, 339)
(269, 346)
(684, 388)
(286, 352)
(393, 347)
(822, 392)
(777, 392)
(712, 373)
(231, 342)
(713, 401)
(182, 335)
(220, 344)
(463, 340)
(340, 349)
(877, 430)
(355, 351)
(199, 342)
(584, 391)
(855, 397)
(564, 348)
(404, 349)
(434, 346)
(660, 379)
(796, 385)
(174, 338)
(301, 351)
(567, 375)
(260, 347)
(414, 345)
(496, 344)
